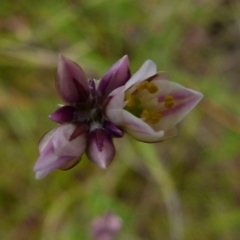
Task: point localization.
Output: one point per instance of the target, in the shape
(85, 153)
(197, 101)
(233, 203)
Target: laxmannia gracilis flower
(146, 106)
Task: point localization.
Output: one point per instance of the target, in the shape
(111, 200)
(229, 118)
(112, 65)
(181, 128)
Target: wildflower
(146, 106)
(82, 123)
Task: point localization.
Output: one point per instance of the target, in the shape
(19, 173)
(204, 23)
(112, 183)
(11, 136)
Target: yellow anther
(169, 104)
(140, 87)
(151, 117)
(168, 101)
(145, 114)
(155, 117)
(149, 86)
(152, 88)
(130, 100)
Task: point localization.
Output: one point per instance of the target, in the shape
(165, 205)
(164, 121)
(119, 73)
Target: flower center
(90, 111)
(150, 111)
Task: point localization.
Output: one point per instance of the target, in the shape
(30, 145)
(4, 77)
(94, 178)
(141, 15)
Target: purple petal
(100, 148)
(57, 151)
(47, 151)
(71, 81)
(49, 161)
(43, 142)
(116, 76)
(65, 144)
(113, 129)
(63, 114)
(57, 164)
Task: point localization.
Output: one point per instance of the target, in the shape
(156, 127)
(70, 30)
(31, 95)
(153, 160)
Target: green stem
(163, 179)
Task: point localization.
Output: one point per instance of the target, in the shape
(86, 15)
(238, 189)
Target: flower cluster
(145, 105)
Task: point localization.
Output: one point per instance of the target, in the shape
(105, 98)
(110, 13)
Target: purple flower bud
(100, 148)
(116, 76)
(71, 81)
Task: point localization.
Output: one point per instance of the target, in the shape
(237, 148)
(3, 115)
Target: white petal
(115, 106)
(140, 130)
(147, 70)
(184, 101)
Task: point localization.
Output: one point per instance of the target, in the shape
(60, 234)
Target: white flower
(148, 106)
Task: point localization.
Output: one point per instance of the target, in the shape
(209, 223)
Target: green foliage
(187, 185)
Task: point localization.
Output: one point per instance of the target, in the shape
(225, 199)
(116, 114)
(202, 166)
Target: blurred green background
(187, 187)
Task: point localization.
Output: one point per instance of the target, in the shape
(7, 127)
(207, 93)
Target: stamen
(169, 101)
(152, 88)
(140, 87)
(135, 105)
(149, 86)
(151, 117)
(145, 114)
(131, 100)
(155, 118)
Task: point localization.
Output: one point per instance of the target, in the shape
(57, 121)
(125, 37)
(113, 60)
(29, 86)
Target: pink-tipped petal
(63, 114)
(184, 101)
(100, 148)
(71, 81)
(115, 77)
(147, 70)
